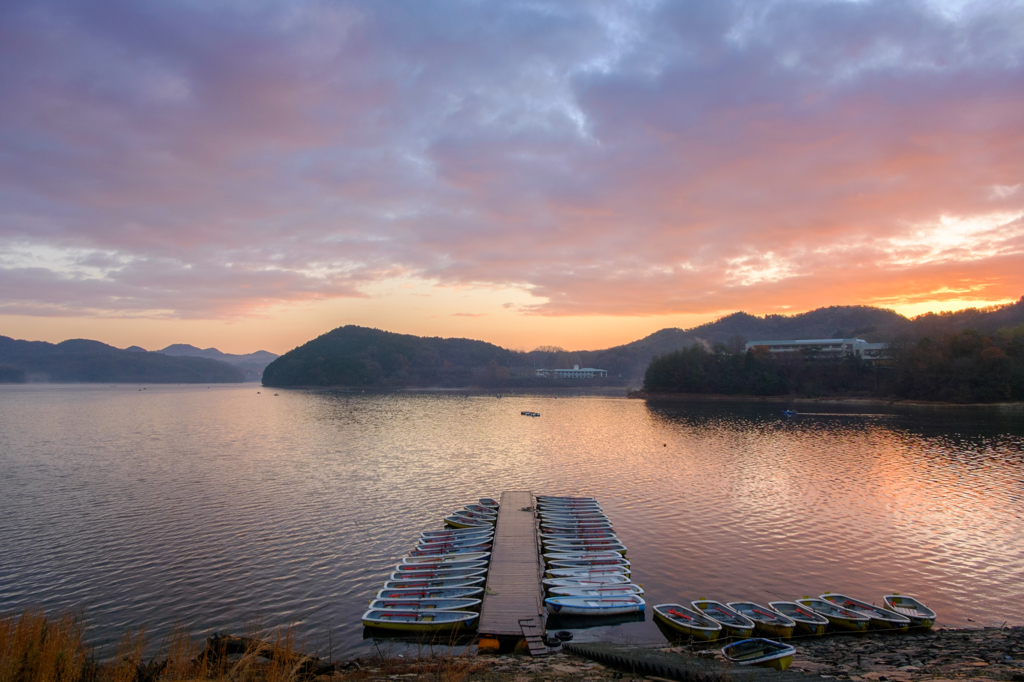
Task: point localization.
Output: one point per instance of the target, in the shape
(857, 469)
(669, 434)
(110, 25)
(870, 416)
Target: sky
(249, 174)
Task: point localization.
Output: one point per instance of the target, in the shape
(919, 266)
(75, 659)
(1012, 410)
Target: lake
(212, 507)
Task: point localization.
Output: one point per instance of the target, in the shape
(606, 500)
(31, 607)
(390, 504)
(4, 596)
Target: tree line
(960, 367)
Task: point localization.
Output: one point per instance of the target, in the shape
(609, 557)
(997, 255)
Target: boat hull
(678, 622)
(763, 653)
(594, 606)
(414, 621)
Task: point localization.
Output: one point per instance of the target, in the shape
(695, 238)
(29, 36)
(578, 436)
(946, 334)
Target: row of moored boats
(439, 585)
(586, 570)
(705, 620)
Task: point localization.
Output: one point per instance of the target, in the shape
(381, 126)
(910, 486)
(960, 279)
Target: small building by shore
(576, 372)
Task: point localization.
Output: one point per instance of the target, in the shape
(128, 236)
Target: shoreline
(1007, 408)
(986, 654)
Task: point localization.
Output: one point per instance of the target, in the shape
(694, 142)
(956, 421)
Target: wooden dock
(513, 604)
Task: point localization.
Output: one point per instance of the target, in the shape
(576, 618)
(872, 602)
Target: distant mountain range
(251, 364)
(81, 360)
(358, 356)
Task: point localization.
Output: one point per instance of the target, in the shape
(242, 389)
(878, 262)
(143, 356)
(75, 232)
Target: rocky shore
(982, 655)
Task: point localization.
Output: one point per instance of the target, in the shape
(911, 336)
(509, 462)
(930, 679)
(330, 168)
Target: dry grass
(34, 648)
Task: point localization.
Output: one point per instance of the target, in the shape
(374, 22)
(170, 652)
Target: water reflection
(208, 506)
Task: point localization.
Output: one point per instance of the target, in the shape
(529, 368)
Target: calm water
(210, 507)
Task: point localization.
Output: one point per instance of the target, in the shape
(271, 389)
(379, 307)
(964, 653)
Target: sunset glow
(252, 175)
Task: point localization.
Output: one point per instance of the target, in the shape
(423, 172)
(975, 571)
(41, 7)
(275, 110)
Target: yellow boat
(733, 624)
(878, 618)
(807, 622)
(838, 617)
(686, 621)
(760, 652)
(419, 621)
(767, 621)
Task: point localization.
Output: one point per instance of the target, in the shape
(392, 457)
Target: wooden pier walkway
(513, 604)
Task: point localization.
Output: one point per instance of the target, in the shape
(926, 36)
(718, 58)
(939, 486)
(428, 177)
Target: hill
(251, 364)
(358, 356)
(84, 361)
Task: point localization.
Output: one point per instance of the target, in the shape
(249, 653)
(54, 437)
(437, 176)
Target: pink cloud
(676, 159)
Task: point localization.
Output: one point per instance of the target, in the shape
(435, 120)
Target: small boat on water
(489, 502)
(542, 504)
(920, 615)
(599, 534)
(880, 619)
(431, 593)
(585, 546)
(588, 564)
(408, 583)
(838, 617)
(530, 414)
(481, 509)
(555, 526)
(451, 544)
(563, 498)
(734, 624)
(594, 606)
(688, 622)
(459, 521)
(419, 621)
(572, 516)
(582, 556)
(483, 516)
(586, 572)
(450, 557)
(760, 652)
(584, 580)
(596, 590)
(437, 573)
(427, 604)
(457, 533)
(441, 564)
(767, 621)
(448, 551)
(807, 621)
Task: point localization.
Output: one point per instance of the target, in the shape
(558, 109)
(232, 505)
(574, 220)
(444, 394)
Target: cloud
(188, 160)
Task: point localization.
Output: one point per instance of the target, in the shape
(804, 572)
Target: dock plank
(514, 576)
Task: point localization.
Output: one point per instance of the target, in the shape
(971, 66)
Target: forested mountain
(80, 360)
(358, 356)
(251, 364)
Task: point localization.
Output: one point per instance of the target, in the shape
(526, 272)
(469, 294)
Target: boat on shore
(688, 622)
(920, 615)
(594, 606)
(419, 621)
(807, 621)
(767, 621)
(838, 617)
(734, 624)
(760, 652)
(879, 618)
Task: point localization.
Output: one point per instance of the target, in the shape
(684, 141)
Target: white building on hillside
(575, 373)
(827, 348)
